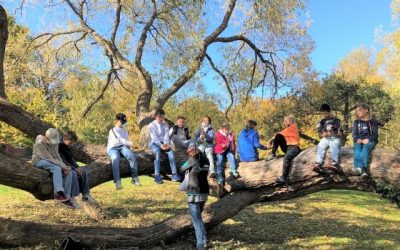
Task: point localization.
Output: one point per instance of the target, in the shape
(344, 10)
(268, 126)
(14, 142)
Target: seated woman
(288, 140)
(249, 142)
(225, 147)
(365, 136)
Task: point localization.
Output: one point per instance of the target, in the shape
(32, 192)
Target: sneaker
(176, 177)
(270, 157)
(235, 174)
(135, 181)
(364, 175)
(67, 204)
(317, 168)
(74, 203)
(118, 185)
(213, 174)
(358, 171)
(158, 179)
(280, 180)
(60, 198)
(87, 198)
(333, 165)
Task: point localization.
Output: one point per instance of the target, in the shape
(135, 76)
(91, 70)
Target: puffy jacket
(209, 135)
(224, 141)
(248, 143)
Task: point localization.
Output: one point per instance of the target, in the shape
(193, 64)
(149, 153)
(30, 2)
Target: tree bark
(255, 184)
(3, 42)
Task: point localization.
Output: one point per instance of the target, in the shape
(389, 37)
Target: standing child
(330, 132)
(119, 144)
(365, 136)
(197, 192)
(288, 140)
(225, 147)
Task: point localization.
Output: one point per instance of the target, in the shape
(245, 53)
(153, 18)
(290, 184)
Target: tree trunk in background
(255, 184)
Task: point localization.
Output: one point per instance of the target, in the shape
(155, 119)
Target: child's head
(192, 151)
(251, 124)
(180, 121)
(362, 110)
(206, 121)
(70, 138)
(325, 110)
(226, 127)
(159, 116)
(53, 136)
(289, 120)
(120, 120)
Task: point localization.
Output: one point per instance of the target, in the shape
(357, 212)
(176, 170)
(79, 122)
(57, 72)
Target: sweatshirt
(42, 150)
(116, 137)
(248, 143)
(365, 130)
(291, 135)
(159, 133)
(224, 142)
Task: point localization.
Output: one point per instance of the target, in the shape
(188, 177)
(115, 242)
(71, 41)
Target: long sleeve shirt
(66, 156)
(42, 150)
(365, 130)
(159, 133)
(117, 137)
(291, 135)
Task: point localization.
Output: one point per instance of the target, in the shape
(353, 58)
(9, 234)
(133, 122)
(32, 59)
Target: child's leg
(322, 146)
(291, 153)
(357, 155)
(220, 170)
(157, 155)
(366, 154)
(279, 141)
(210, 156)
(131, 157)
(67, 181)
(55, 171)
(172, 163)
(334, 145)
(231, 160)
(115, 156)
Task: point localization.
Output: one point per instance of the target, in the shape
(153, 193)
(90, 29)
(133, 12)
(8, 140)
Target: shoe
(87, 198)
(364, 175)
(158, 179)
(358, 171)
(213, 174)
(176, 177)
(118, 185)
(220, 181)
(135, 181)
(333, 165)
(67, 204)
(280, 180)
(270, 157)
(74, 203)
(235, 174)
(60, 198)
(317, 168)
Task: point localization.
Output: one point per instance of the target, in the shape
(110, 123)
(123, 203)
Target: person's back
(246, 145)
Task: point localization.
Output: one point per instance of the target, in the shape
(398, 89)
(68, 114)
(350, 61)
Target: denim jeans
(61, 182)
(80, 184)
(220, 166)
(210, 156)
(157, 158)
(195, 210)
(362, 154)
(115, 155)
(333, 143)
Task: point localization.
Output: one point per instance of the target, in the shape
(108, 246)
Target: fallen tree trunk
(255, 184)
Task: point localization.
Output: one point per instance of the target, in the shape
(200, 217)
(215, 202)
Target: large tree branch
(256, 184)
(198, 59)
(116, 21)
(3, 42)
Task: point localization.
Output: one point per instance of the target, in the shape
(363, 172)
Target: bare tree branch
(117, 21)
(251, 79)
(225, 81)
(198, 59)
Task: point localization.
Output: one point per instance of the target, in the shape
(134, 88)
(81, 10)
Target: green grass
(333, 219)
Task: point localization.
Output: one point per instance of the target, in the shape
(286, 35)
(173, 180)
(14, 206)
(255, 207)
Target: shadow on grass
(288, 230)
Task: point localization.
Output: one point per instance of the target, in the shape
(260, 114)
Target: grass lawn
(333, 219)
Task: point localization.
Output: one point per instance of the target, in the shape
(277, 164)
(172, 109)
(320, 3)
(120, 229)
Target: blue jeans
(115, 155)
(333, 143)
(210, 156)
(220, 166)
(362, 154)
(157, 159)
(61, 182)
(195, 209)
(80, 184)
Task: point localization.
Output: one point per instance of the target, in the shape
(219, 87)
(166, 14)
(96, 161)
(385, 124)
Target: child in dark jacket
(197, 192)
(365, 136)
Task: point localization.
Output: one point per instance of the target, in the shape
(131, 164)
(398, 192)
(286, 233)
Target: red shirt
(223, 141)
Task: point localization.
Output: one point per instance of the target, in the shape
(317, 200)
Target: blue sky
(338, 27)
